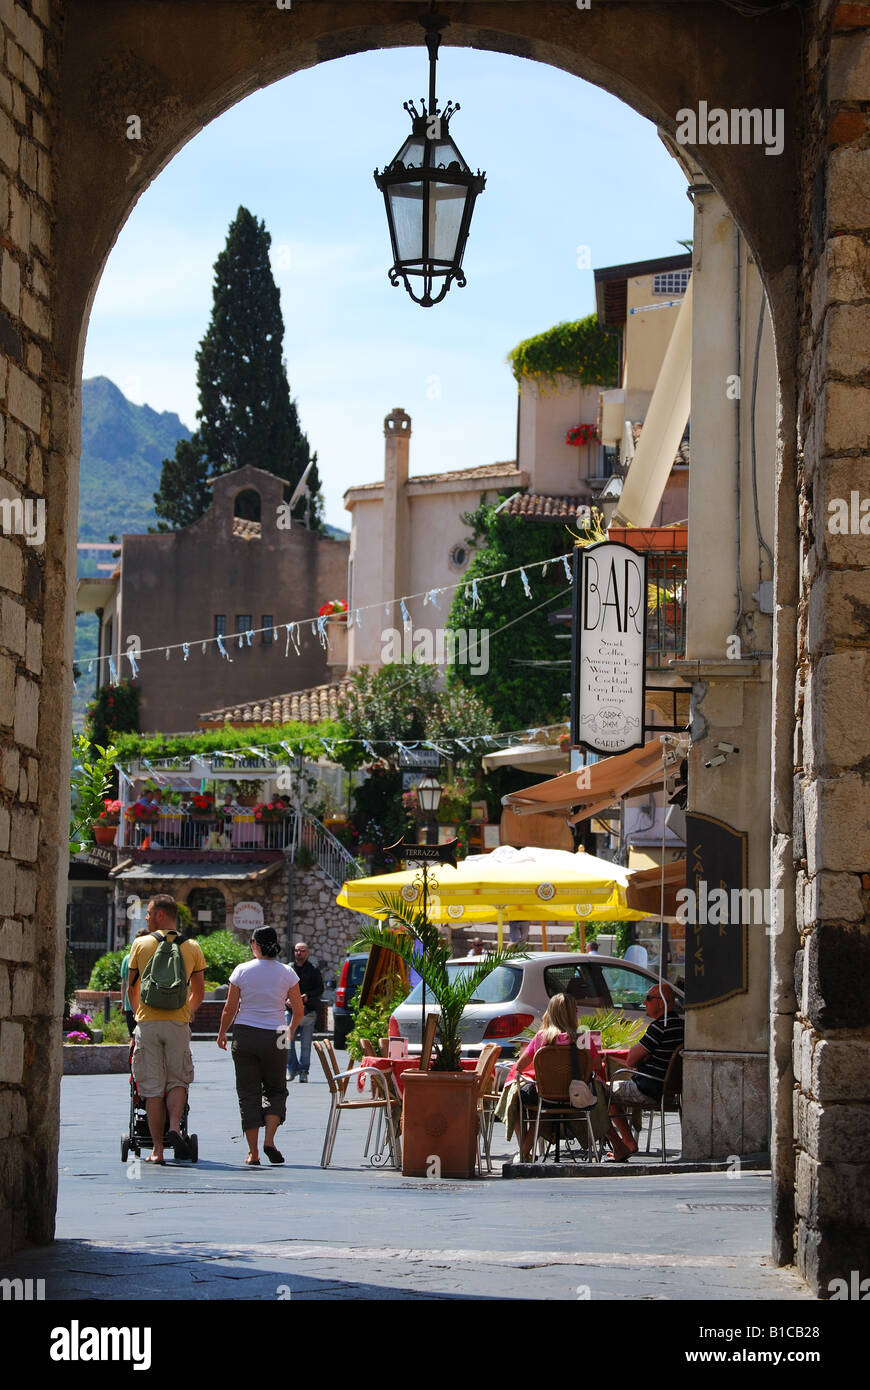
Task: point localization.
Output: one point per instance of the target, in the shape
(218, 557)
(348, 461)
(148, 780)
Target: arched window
(247, 505)
(208, 909)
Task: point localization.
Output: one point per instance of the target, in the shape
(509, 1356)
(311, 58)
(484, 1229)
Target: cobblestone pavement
(219, 1230)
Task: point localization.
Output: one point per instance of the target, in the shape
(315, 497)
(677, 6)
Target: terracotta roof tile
(538, 507)
(306, 706)
(483, 470)
(246, 530)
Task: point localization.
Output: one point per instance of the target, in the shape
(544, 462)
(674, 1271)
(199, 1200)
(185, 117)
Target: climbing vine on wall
(581, 350)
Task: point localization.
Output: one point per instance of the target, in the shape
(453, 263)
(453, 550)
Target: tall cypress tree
(246, 415)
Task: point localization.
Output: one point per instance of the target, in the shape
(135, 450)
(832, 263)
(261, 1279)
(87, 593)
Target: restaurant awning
(531, 757)
(593, 789)
(644, 891)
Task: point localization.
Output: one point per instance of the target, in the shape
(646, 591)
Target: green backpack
(164, 978)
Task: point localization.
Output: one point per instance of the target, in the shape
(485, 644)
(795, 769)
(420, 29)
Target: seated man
(649, 1060)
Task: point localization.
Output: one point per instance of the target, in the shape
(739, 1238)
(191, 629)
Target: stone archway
(81, 81)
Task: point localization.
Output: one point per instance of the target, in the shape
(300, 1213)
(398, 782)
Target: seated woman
(558, 1026)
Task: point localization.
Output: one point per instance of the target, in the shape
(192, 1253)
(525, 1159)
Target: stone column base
(725, 1104)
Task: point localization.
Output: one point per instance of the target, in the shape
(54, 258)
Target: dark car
(351, 977)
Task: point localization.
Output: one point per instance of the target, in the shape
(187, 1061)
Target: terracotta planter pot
(367, 848)
(439, 1120)
(105, 834)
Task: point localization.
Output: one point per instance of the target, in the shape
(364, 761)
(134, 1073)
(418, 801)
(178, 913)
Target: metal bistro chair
(338, 1082)
(487, 1099)
(553, 1076)
(671, 1102)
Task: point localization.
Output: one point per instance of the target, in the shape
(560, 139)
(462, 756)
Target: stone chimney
(397, 433)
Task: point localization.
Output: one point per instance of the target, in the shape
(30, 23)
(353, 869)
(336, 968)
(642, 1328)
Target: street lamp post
(429, 193)
(429, 791)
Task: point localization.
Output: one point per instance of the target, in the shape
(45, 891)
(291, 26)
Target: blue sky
(567, 166)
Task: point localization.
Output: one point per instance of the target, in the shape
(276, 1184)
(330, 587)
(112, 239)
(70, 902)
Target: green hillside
(123, 446)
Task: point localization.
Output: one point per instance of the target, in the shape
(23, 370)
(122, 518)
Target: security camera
(727, 748)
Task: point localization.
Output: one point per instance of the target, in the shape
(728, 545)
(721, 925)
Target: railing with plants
(205, 828)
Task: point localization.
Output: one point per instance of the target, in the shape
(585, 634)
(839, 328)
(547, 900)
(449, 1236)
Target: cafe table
(397, 1066)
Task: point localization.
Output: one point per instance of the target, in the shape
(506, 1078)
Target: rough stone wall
(328, 929)
(831, 841)
(30, 947)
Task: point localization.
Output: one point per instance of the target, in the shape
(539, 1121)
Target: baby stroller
(139, 1135)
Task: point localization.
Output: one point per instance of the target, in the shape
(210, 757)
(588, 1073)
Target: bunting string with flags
(318, 622)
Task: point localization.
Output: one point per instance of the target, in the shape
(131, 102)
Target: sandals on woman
(272, 1154)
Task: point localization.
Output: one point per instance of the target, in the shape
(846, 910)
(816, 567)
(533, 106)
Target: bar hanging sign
(608, 669)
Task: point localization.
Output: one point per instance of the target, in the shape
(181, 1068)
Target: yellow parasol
(525, 885)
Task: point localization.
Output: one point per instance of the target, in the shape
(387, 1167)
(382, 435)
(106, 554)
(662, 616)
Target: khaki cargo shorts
(627, 1092)
(161, 1057)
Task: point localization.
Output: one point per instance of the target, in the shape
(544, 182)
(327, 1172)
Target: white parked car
(514, 997)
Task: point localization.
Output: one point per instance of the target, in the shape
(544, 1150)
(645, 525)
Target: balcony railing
(666, 611)
(329, 853)
(180, 830)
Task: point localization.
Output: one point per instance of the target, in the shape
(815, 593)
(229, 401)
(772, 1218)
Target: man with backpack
(166, 986)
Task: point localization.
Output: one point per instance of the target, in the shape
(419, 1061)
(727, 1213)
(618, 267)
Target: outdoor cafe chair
(384, 1103)
(487, 1099)
(671, 1102)
(553, 1076)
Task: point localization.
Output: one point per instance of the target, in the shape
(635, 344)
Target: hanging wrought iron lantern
(429, 192)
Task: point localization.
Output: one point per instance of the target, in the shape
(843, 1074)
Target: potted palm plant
(439, 1113)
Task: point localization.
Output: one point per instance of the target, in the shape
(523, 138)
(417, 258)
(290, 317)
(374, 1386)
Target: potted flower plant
(582, 434)
(252, 790)
(335, 608)
(105, 827)
(142, 811)
(202, 806)
(439, 1112)
(270, 811)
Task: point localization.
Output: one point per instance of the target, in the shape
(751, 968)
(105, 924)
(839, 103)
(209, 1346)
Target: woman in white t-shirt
(260, 991)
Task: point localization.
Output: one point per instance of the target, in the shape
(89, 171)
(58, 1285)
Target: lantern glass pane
(446, 206)
(445, 153)
(406, 211)
(429, 794)
(411, 153)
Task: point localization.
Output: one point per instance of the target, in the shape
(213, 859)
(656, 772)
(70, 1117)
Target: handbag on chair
(580, 1094)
